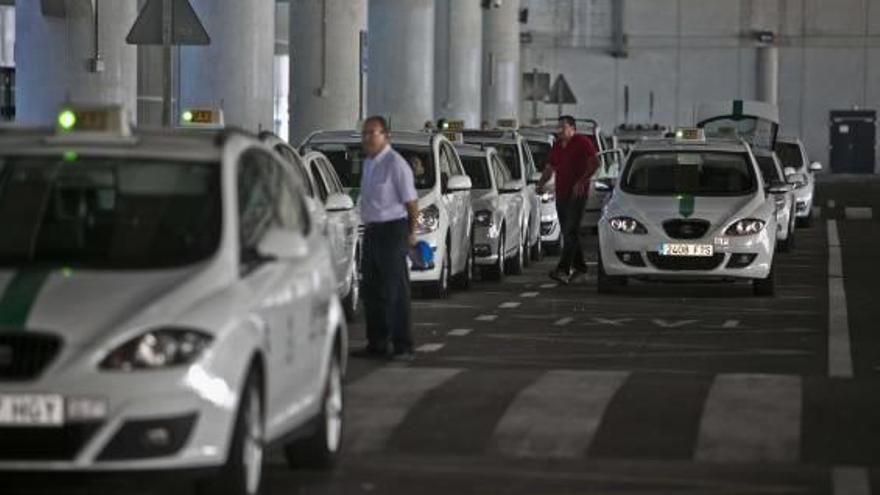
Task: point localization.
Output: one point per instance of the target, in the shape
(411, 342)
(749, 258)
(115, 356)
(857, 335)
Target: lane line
(430, 347)
(817, 211)
(378, 402)
(858, 213)
(847, 480)
(460, 332)
(509, 305)
(751, 418)
(529, 294)
(839, 352)
(730, 324)
(558, 415)
(563, 321)
(486, 318)
(831, 203)
(548, 286)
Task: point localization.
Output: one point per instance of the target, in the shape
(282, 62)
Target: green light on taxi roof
(67, 119)
(67, 272)
(69, 156)
(679, 134)
(187, 116)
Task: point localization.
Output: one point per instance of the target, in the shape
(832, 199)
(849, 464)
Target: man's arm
(545, 178)
(412, 209)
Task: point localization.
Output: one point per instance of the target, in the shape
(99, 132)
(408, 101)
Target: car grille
(45, 444)
(24, 355)
(684, 263)
(686, 229)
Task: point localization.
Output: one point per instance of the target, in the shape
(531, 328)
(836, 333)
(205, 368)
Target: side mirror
(779, 188)
(339, 202)
(535, 178)
(280, 244)
(511, 186)
(459, 183)
(789, 171)
(815, 167)
(602, 186)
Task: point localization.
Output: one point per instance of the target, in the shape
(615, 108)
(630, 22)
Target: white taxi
(774, 176)
(166, 304)
(540, 141)
(793, 154)
(445, 214)
(688, 208)
(334, 211)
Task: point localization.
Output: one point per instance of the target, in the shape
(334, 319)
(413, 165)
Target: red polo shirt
(572, 162)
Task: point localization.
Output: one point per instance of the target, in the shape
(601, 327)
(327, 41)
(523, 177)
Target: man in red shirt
(573, 160)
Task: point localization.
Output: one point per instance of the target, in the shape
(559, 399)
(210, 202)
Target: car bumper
(550, 228)
(164, 420)
(485, 245)
(432, 272)
(803, 202)
(637, 256)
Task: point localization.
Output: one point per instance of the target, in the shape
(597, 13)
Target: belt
(372, 225)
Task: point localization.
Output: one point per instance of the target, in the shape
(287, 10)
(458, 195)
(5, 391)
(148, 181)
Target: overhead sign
(561, 93)
(186, 28)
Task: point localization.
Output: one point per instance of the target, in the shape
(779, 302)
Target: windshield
(668, 173)
(540, 153)
(769, 170)
(108, 213)
(790, 155)
(478, 170)
(509, 154)
(348, 161)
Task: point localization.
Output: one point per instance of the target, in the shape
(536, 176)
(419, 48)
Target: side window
(330, 178)
(290, 208)
(455, 165)
(297, 166)
(445, 168)
(315, 169)
(256, 212)
(502, 176)
(530, 162)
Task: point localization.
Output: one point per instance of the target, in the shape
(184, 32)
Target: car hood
(654, 210)
(86, 305)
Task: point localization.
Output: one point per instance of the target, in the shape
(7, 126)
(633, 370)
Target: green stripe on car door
(18, 298)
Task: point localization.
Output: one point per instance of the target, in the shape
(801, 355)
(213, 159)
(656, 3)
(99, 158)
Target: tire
(607, 284)
(242, 473)
(515, 264)
(765, 287)
(465, 279)
(440, 288)
(322, 448)
(351, 302)
(496, 271)
(805, 222)
(786, 245)
(537, 251)
(527, 245)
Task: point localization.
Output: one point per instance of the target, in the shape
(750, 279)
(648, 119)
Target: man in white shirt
(389, 210)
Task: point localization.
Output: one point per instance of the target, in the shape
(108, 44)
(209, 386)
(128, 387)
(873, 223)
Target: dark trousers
(570, 211)
(386, 288)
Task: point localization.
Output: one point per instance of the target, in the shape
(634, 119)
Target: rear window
(769, 171)
(790, 155)
(540, 154)
(669, 173)
(478, 170)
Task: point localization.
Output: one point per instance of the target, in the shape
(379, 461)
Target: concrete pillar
(235, 72)
(55, 58)
(501, 62)
(401, 63)
(325, 82)
(458, 54)
(767, 74)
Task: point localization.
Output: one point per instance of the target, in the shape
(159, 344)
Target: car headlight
(748, 226)
(483, 218)
(156, 349)
(548, 197)
(627, 225)
(429, 220)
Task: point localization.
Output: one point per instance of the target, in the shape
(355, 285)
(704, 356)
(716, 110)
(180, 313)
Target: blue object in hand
(422, 256)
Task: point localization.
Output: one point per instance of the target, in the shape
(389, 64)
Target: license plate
(31, 410)
(706, 250)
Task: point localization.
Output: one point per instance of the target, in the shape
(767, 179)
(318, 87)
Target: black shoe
(559, 276)
(368, 353)
(577, 274)
(403, 356)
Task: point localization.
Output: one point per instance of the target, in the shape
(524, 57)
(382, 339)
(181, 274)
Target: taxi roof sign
(690, 134)
(202, 117)
(94, 120)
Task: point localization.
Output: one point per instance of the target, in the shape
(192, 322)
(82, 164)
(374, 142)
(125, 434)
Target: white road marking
(831, 203)
(617, 322)
(850, 481)
(853, 213)
(378, 403)
(549, 286)
(529, 294)
(839, 353)
(558, 415)
(486, 318)
(672, 324)
(460, 332)
(563, 321)
(730, 324)
(431, 347)
(751, 418)
(509, 305)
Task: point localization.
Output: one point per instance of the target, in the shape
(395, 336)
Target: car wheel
(765, 286)
(496, 271)
(440, 288)
(538, 250)
(352, 301)
(243, 471)
(607, 284)
(466, 278)
(527, 245)
(321, 449)
(515, 265)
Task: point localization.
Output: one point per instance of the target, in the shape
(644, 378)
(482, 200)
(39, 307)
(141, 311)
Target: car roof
(411, 138)
(470, 150)
(710, 144)
(507, 136)
(789, 140)
(204, 145)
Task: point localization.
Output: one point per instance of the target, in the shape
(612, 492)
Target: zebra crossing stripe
(558, 415)
(751, 418)
(378, 402)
